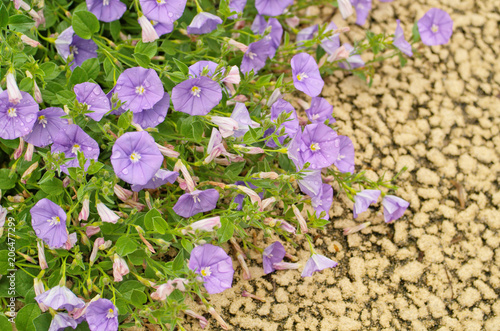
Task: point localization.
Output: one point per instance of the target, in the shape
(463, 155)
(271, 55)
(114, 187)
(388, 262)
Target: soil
(438, 267)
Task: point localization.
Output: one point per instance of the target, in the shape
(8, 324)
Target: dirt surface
(437, 268)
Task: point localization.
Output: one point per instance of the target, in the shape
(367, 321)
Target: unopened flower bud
(27, 174)
(300, 219)
(207, 224)
(85, 212)
(12, 88)
(28, 41)
(19, 150)
(340, 53)
(238, 45)
(233, 76)
(357, 228)
(292, 22)
(218, 318)
(226, 125)
(122, 193)
(28, 156)
(285, 226)
(203, 320)
(274, 97)
(180, 166)
(39, 289)
(106, 214)
(120, 268)
(267, 202)
(345, 8)
(41, 255)
(148, 31)
(253, 296)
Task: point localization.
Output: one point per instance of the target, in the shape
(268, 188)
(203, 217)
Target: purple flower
(242, 117)
(291, 124)
(197, 69)
(317, 262)
(353, 61)
(237, 6)
(394, 207)
(136, 158)
(60, 297)
(273, 253)
(70, 44)
(306, 76)
(198, 201)
(17, 120)
(435, 27)
(323, 201)
(61, 321)
(49, 222)
(362, 8)
(112, 97)
(306, 34)
(259, 26)
(256, 55)
(106, 10)
(92, 95)
(72, 139)
(272, 7)
(47, 126)
(363, 199)
(293, 150)
(163, 11)
(162, 28)
(149, 118)
(311, 183)
(330, 44)
(215, 267)
(203, 23)
(196, 96)
(345, 159)
(139, 89)
(102, 315)
(160, 178)
(320, 145)
(400, 42)
(320, 111)
(148, 31)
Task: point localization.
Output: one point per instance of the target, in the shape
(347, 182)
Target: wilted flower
(41, 255)
(345, 158)
(400, 41)
(320, 111)
(302, 222)
(39, 289)
(317, 262)
(255, 56)
(203, 23)
(120, 268)
(106, 10)
(149, 33)
(323, 201)
(363, 199)
(61, 321)
(345, 8)
(91, 94)
(84, 213)
(306, 76)
(163, 11)
(331, 43)
(196, 96)
(198, 201)
(272, 254)
(92, 230)
(354, 229)
(17, 119)
(139, 89)
(306, 34)
(99, 245)
(60, 297)
(160, 178)
(28, 41)
(207, 224)
(68, 43)
(363, 8)
(215, 267)
(102, 315)
(203, 320)
(49, 222)
(435, 27)
(272, 7)
(242, 117)
(106, 214)
(136, 158)
(353, 61)
(149, 118)
(394, 207)
(226, 125)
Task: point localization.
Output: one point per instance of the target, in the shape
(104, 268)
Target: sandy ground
(437, 268)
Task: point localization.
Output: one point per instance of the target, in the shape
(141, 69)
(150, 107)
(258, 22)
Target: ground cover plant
(139, 137)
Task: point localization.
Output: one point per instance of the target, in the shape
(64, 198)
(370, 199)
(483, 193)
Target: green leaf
(20, 23)
(125, 120)
(138, 298)
(114, 28)
(91, 67)
(415, 35)
(42, 322)
(53, 187)
(4, 262)
(233, 170)
(225, 232)
(5, 324)
(78, 76)
(125, 246)
(4, 17)
(6, 182)
(142, 60)
(85, 24)
(46, 176)
(148, 49)
(26, 84)
(192, 128)
(24, 282)
(178, 261)
(25, 317)
(154, 221)
(94, 167)
(182, 67)
(129, 286)
(50, 69)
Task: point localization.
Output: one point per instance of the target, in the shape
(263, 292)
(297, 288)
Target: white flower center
(54, 220)
(205, 272)
(302, 76)
(75, 149)
(73, 49)
(111, 313)
(435, 28)
(140, 90)
(12, 112)
(315, 117)
(195, 91)
(135, 157)
(196, 198)
(251, 55)
(315, 147)
(340, 157)
(105, 2)
(42, 120)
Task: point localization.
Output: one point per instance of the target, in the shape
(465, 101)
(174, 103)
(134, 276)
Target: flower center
(140, 90)
(111, 313)
(251, 55)
(315, 147)
(135, 157)
(435, 28)
(12, 112)
(205, 272)
(75, 149)
(340, 157)
(73, 49)
(196, 198)
(105, 2)
(54, 220)
(42, 120)
(160, 2)
(195, 91)
(302, 76)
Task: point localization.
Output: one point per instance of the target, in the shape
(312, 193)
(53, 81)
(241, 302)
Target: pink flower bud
(238, 45)
(340, 53)
(148, 31)
(203, 320)
(267, 202)
(180, 166)
(122, 193)
(226, 125)
(345, 8)
(27, 257)
(168, 152)
(233, 77)
(179, 283)
(254, 197)
(274, 97)
(140, 231)
(27, 174)
(66, 181)
(28, 41)
(300, 219)
(28, 156)
(92, 230)
(292, 22)
(285, 226)
(240, 98)
(270, 221)
(41, 255)
(253, 296)
(218, 318)
(268, 175)
(163, 291)
(285, 265)
(215, 146)
(19, 150)
(222, 161)
(354, 229)
(246, 272)
(93, 256)
(106, 214)
(38, 94)
(70, 242)
(207, 224)
(120, 268)
(84, 213)
(249, 150)
(39, 289)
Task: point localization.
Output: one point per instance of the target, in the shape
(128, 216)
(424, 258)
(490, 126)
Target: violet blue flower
(196, 96)
(61, 321)
(400, 42)
(162, 28)
(394, 207)
(102, 315)
(291, 124)
(272, 7)
(68, 43)
(306, 34)
(256, 55)
(317, 262)
(106, 10)
(363, 199)
(320, 111)
(215, 267)
(435, 27)
(47, 126)
(148, 31)
(197, 69)
(149, 118)
(242, 117)
(136, 158)
(311, 183)
(362, 8)
(198, 201)
(160, 178)
(272, 254)
(345, 158)
(17, 120)
(139, 89)
(49, 222)
(306, 76)
(69, 141)
(204, 23)
(163, 11)
(92, 95)
(320, 145)
(330, 44)
(259, 26)
(353, 61)
(323, 201)
(293, 150)
(60, 297)
(237, 6)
